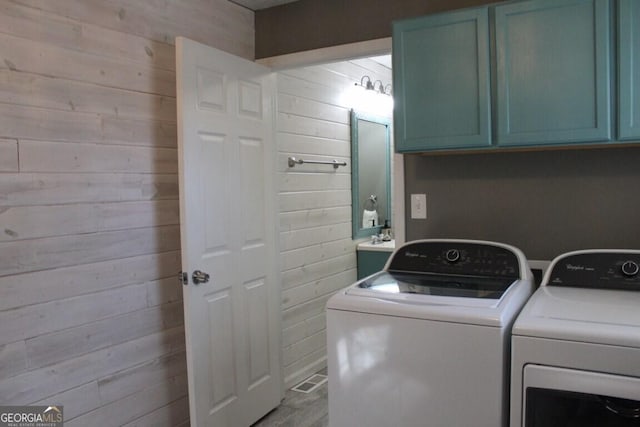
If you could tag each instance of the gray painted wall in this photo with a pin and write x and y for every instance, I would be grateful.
(312, 24)
(544, 202)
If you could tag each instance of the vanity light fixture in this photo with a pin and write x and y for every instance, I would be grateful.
(365, 97)
(376, 86)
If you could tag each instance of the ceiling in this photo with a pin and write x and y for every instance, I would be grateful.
(382, 60)
(260, 4)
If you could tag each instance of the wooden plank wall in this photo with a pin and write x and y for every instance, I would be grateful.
(317, 253)
(90, 308)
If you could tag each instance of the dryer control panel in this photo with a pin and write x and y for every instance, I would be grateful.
(460, 258)
(600, 270)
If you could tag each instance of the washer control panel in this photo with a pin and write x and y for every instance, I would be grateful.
(601, 270)
(630, 268)
(452, 257)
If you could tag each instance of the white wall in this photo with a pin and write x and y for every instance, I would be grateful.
(318, 254)
(90, 307)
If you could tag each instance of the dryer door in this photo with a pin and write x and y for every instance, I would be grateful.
(564, 397)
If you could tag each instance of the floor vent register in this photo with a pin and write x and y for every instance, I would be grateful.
(310, 384)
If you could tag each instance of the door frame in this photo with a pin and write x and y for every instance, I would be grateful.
(348, 52)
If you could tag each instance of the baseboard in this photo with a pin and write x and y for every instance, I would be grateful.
(308, 370)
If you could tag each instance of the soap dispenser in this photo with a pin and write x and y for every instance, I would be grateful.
(386, 231)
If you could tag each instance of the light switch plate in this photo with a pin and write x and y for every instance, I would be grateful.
(418, 206)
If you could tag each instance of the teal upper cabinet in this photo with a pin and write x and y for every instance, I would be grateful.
(629, 69)
(553, 72)
(441, 81)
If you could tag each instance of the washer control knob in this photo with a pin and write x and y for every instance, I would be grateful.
(452, 255)
(630, 268)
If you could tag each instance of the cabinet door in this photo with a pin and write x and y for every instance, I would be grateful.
(441, 81)
(370, 262)
(552, 74)
(629, 69)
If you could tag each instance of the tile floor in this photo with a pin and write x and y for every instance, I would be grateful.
(300, 410)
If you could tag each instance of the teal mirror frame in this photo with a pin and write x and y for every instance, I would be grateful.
(357, 200)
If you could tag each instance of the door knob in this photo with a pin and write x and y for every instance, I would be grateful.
(200, 277)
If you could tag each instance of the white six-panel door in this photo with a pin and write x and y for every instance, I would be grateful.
(228, 230)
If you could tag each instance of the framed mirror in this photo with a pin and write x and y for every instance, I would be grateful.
(370, 173)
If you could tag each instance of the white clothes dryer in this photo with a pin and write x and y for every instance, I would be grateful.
(425, 342)
(576, 344)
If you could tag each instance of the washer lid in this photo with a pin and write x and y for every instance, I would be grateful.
(396, 285)
(380, 298)
(598, 316)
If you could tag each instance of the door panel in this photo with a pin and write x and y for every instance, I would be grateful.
(252, 171)
(228, 230)
(567, 397)
(211, 90)
(223, 383)
(215, 186)
(552, 74)
(258, 344)
(441, 81)
(629, 70)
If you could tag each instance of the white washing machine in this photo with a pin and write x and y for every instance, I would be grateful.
(576, 344)
(425, 342)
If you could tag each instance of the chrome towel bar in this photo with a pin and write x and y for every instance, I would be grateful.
(293, 161)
